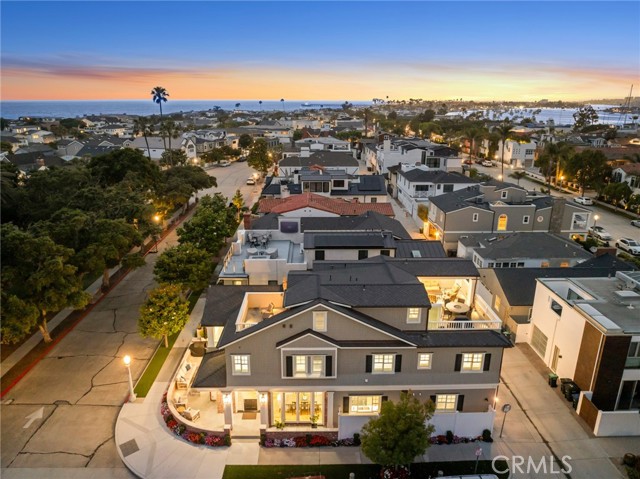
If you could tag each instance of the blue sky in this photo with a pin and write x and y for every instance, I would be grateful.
(330, 50)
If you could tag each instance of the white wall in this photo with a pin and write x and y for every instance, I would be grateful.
(617, 423)
(309, 212)
(565, 331)
(348, 425)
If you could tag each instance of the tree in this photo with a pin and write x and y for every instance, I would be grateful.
(245, 140)
(554, 157)
(37, 275)
(618, 193)
(180, 183)
(399, 433)
(141, 126)
(297, 135)
(210, 225)
(127, 163)
(164, 312)
(173, 158)
(518, 175)
(585, 116)
(169, 129)
(589, 166)
(259, 158)
(5, 146)
(282, 102)
(4, 124)
(238, 202)
(473, 134)
(159, 95)
(186, 266)
(504, 131)
(18, 318)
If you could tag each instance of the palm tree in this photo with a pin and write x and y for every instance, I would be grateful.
(159, 94)
(473, 134)
(170, 129)
(260, 103)
(142, 126)
(504, 131)
(282, 101)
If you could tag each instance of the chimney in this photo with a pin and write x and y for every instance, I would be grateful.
(246, 221)
(387, 144)
(557, 212)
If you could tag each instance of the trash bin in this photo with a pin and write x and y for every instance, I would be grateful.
(575, 397)
(570, 389)
(553, 380)
(563, 385)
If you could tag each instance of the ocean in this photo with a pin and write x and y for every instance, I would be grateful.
(73, 109)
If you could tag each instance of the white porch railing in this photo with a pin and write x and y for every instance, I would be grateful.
(464, 325)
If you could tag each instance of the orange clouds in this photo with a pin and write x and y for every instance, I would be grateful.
(51, 81)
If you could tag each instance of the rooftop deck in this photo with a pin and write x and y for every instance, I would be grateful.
(236, 261)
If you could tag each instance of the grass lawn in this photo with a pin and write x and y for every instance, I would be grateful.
(361, 471)
(153, 368)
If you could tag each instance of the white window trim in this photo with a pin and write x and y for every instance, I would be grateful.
(526, 219)
(373, 364)
(475, 217)
(472, 371)
(504, 195)
(318, 315)
(415, 320)
(455, 403)
(430, 360)
(234, 371)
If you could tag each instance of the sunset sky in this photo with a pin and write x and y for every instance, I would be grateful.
(319, 50)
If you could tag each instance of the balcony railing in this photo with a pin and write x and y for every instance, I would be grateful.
(464, 325)
(632, 363)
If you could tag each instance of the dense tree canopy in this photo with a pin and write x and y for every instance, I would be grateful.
(186, 266)
(212, 222)
(259, 158)
(589, 167)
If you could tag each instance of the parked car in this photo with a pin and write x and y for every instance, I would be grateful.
(251, 181)
(635, 223)
(224, 163)
(583, 200)
(468, 161)
(600, 233)
(242, 158)
(628, 245)
(487, 163)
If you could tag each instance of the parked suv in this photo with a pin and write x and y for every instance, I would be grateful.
(630, 246)
(583, 200)
(600, 233)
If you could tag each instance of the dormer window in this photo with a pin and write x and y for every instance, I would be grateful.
(504, 194)
(320, 321)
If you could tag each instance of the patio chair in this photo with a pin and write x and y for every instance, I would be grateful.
(268, 311)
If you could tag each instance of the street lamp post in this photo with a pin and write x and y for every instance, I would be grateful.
(505, 409)
(127, 363)
(595, 220)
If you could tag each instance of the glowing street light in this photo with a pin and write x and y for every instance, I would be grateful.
(595, 220)
(127, 363)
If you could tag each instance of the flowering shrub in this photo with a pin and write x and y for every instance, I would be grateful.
(194, 437)
(305, 441)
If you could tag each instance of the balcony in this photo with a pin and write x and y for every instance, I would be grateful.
(464, 325)
(632, 363)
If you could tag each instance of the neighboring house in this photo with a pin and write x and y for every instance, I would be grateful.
(35, 148)
(350, 124)
(395, 151)
(497, 207)
(156, 145)
(300, 123)
(88, 151)
(521, 250)
(324, 160)
(333, 183)
(312, 204)
(414, 185)
(69, 147)
(517, 154)
(507, 294)
(13, 141)
(588, 330)
(37, 161)
(267, 248)
(334, 346)
(36, 136)
(324, 143)
(630, 174)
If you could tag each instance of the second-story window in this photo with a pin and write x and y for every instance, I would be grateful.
(319, 255)
(363, 254)
(502, 222)
(475, 217)
(424, 360)
(473, 362)
(383, 363)
(504, 194)
(413, 315)
(241, 364)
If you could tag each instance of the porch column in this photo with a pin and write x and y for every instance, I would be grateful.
(329, 409)
(227, 401)
(263, 403)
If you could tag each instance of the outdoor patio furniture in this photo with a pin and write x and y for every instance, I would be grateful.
(268, 311)
(191, 414)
